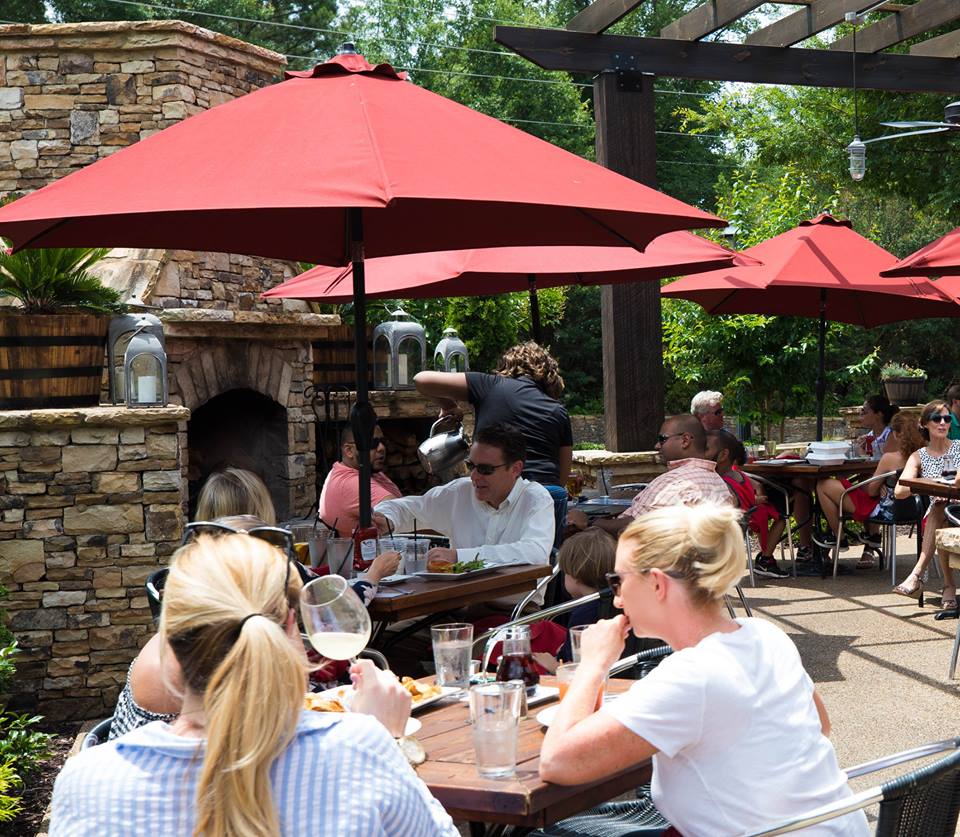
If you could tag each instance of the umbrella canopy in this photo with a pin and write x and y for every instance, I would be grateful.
(821, 268)
(498, 270)
(341, 162)
(271, 173)
(938, 258)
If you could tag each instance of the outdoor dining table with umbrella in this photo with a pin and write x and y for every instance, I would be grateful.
(824, 269)
(498, 270)
(334, 165)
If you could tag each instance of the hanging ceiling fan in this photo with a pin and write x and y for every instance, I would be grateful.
(951, 122)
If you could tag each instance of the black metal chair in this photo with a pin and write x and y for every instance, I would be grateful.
(98, 735)
(154, 585)
(925, 801)
(952, 513)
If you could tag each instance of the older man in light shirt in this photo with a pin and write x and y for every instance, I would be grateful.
(494, 514)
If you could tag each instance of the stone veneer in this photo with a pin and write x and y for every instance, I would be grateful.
(91, 503)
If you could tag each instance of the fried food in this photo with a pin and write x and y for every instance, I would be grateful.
(420, 691)
(319, 703)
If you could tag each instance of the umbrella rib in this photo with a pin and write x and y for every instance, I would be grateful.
(40, 234)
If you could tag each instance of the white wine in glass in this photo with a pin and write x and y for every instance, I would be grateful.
(334, 618)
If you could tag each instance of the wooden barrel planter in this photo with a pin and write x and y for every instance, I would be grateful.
(902, 391)
(51, 360)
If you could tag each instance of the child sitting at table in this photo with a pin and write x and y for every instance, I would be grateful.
(727, 451)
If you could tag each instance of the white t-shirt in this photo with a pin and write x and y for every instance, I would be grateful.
(738, 736)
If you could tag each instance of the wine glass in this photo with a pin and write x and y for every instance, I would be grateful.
(336, 621)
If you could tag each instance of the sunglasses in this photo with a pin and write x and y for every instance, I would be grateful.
(718, 412)
(662, 437)
(940, 418)
(483, 469)
(282, 539)
(615, 580)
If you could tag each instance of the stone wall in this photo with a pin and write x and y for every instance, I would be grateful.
(90, 506)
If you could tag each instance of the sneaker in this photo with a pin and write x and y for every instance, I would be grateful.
(805, 554)
(766, 566)
(872, 541)
(828, 540)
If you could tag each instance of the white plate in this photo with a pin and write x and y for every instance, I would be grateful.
(394, 579)
(450, 576)
(345, 693)
(545, 716)
(542, 694)
(778, 461)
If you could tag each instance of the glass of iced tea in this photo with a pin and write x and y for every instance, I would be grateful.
(565, 674)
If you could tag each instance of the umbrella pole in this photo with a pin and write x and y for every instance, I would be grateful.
(362, 417)
(534, 310)
(821, 382)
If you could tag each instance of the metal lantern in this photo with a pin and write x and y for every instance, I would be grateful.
(145, 371)
(122, 328)
(399, 351)
(451, 353)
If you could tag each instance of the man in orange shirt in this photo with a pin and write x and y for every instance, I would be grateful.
(340, 497)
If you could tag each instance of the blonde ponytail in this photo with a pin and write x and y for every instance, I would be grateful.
(701, 544)
(224, 617)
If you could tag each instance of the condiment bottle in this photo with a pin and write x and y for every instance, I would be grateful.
(516, 661)
(364, 547)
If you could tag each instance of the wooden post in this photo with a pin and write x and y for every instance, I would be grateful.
(630, 312)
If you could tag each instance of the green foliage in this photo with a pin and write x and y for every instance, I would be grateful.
(900, 370)
(10, 804)
(56, 279)
(576, 344)
(21, 745)
(588, 446)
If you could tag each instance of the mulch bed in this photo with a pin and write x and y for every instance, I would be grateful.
(39, 788)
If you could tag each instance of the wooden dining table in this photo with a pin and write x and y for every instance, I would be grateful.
(422, 597)
(524, 801)
(769, 469)
(932, 488)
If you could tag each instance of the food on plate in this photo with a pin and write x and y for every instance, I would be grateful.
(438, 566)
(322, 703)
(420, 691)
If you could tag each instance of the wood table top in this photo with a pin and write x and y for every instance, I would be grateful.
(450, 772)
(765, 468)
(421, 597)
(932, 488)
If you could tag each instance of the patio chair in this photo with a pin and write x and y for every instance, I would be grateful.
(952, 513)
(923, 801)
(98, 735)
(909, 510)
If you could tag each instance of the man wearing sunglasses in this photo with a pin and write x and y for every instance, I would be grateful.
(493, 515)
(690, 477)
(340, 496)
(707, 406)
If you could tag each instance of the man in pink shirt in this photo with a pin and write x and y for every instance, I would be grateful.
(340, 497)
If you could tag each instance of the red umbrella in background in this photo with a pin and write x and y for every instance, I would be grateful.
(498, 270)
(345, 160)
(938, 258)
(821, 268)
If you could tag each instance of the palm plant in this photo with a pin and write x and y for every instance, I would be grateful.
(56, 279)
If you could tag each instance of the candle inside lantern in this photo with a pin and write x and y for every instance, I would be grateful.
(146, 389)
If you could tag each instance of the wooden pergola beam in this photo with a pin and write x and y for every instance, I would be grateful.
(600, 15)
(576, 52)
(904, 24)
(803, 24)
(942, 47)
(706, 19)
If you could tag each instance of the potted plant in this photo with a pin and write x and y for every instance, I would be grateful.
(903, 384)
(53, 327)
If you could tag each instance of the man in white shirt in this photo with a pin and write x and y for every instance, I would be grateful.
(494, 514)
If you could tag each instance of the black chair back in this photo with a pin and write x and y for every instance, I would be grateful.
(98, 735)
(154, 585)
(924, 801)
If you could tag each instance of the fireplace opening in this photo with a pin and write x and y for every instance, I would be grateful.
(239, 428)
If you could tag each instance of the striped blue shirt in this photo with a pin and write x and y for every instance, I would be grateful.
(342, 776)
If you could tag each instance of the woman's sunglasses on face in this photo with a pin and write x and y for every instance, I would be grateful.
(940, 418)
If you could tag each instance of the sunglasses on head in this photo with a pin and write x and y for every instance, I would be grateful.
(282, 539)
(940, 418)
(483, 469)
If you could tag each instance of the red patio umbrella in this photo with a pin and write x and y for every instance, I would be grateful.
(821, 268)
(498, 270)
(938, 258)
(345, 160)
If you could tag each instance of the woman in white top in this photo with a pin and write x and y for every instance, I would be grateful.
(875, 416)
(930, 462)
(243, 757)
(731, 709)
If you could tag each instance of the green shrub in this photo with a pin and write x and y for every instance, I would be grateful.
(588, 446)
(900, 370)
(21, 745)
(9, 802)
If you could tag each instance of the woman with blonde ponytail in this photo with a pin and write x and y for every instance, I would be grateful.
(243, 759)
(731, 720)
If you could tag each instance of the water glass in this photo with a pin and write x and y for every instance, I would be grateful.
(770, 447)
(340, 556)
(452, 644)
(415, 555)
(576, 634)
(494, 714)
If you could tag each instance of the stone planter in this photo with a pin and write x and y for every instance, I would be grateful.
(905, 390)
(51, 360)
